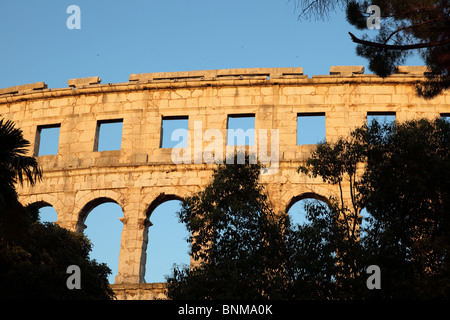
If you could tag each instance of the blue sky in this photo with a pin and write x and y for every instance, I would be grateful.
(118, 38)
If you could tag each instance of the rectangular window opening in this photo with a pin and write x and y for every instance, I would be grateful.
(445, 117)
(174, 132)
(311, 128)
(108, 135)
(47, 140)
(241, 130)
(381, 117)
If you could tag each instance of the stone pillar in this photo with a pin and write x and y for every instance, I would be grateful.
(133, 247)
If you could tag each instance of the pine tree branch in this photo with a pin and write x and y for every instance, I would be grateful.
(398, 47)
(410, 27)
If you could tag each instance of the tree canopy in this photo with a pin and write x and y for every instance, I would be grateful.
(405, 188)
(405, 26)
(236, 239)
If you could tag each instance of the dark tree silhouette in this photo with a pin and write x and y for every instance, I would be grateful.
(405, 26)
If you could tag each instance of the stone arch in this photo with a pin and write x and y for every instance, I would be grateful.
(160, 200)
(160, 195)
(298, 215)
(292, 193)
(42, 214)
(88, 207)
(40, 204)
(306, 195)
(44, 200)
(86, 202)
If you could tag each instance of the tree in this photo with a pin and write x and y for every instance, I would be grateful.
(328, 258)
(405, 188)
(244, 250)
(14, 164)
(405, 26)
(35, 265)
(323, 263)
(34, 256)
(236, 240)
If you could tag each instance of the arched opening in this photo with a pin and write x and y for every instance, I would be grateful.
(297, 212)
(104, 230)
(46, 212)
(167, 245)
(297, 207)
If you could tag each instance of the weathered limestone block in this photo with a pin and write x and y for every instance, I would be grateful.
(24, 88)
(412, 70)
(80, 82)
(346, 71)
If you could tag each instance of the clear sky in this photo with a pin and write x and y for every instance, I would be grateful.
(118, 38)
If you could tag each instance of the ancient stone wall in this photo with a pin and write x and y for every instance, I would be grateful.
(142, 175)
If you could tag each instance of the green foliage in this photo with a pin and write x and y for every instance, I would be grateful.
(406, 27)
(14, 164)
(235, 238)
(405, 187)
(355, 14)
(33, 263)
(382, 61)
(321, 263)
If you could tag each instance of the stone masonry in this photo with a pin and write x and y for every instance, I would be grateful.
(142, 175)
